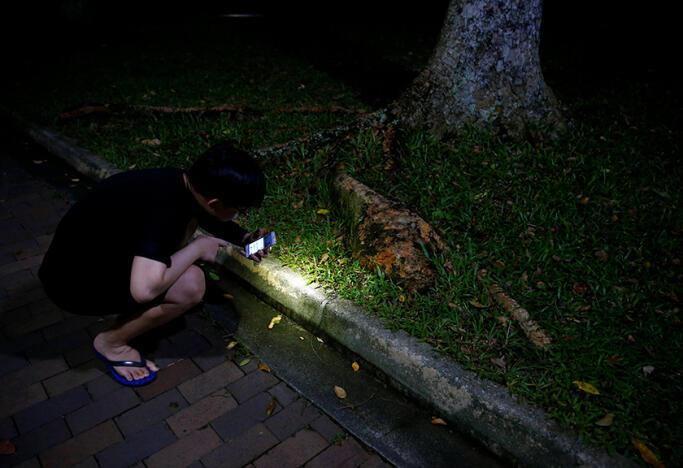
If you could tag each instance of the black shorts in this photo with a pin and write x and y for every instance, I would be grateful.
(85, 292)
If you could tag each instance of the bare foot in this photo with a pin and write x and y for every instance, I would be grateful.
(123, 352)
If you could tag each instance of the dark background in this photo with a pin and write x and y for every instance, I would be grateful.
(583, 40)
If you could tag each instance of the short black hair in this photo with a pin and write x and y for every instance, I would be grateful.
(229, 174)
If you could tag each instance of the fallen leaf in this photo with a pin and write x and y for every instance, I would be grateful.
(340, 392)
(244, 362)
(401, 298)
(499, 265)
(605, 421)
(646, 454)
(228, 296)
(355, 366)
(151, 141)
(274, 320)
(478, 305)
(602, 255)
(214, 276)
(271, 407)
(263, 366)
(580, 287)
(319, 339)
(439, 422)
(323, 211)
(7, 447)
(647, 370)
(301, 338)
(38, 161)
(75, 180)
(586, 387)
(524, 276)
(631, 339)
(298, 204)
(231, 345)
(500, 362)
(324, 258)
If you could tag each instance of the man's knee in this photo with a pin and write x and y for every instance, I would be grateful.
(191, 286)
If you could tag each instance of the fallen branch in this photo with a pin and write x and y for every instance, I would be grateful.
(531, 329)
(89, 109)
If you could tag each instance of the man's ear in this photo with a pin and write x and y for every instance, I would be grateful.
(213, 203)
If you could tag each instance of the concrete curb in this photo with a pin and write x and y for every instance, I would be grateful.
(487, 411)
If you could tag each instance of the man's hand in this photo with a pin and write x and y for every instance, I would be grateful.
(208, 247)
(251, 237)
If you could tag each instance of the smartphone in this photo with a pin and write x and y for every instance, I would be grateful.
(263, 243)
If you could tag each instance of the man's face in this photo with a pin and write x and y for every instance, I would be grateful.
(221, 211)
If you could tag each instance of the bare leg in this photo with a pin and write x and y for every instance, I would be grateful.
(182, 296)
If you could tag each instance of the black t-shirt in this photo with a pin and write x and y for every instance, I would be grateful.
(143, 213)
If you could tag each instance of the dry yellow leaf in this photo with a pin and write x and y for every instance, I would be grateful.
(231, 345)
(355, 366)
(647, 454)
(323, 211)
(340, 392)
(271, 407)
(478, 305)
(151, 141)
(586, 387)
(228, 296)
(7, 447)
(439, 422)
(605, 421)
(263, 366)
(274, 320)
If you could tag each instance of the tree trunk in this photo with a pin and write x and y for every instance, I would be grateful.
(485, 72)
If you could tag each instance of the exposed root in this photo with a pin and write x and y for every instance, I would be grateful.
(531, 329)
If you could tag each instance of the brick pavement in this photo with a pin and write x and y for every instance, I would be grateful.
(59, 407)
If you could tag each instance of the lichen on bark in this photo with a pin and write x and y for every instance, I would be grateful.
(485, 72)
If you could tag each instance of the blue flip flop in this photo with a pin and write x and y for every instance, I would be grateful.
(122, 380)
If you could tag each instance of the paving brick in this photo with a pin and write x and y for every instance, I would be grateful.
(30, 463)
(39, 369)
(151, 412)
(11, 303)
(136, 446)
(11, 363)
(375, 462)
(208, 382)
(31, 317)
(294, 417)
(348, 454)
(79, 355)
(168, 378)
(251, 384)
(233, 423)
(186, 450)
(202, 412)
(7, 430)
(81, 446)
(74, 377)
(210, 359)
(241, 450)
(17, 398)
(102, 386)
(327, 428)
(293, 452)
(188, 343)
(30, 444)
(25, 264)
(60, 345)
(45, 411)
(20, 281)
(283, 394)
(100, 410)
(89, 462)
(69, 325)
(18, 247)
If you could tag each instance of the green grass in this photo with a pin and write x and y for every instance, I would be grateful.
(583, 231)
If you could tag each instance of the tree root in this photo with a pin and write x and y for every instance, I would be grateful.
(531, 329)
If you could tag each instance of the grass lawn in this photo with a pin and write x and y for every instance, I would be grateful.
(583, 231)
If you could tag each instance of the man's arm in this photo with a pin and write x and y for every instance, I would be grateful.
(149, 278)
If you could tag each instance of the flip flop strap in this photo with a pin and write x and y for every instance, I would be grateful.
(142, 363)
